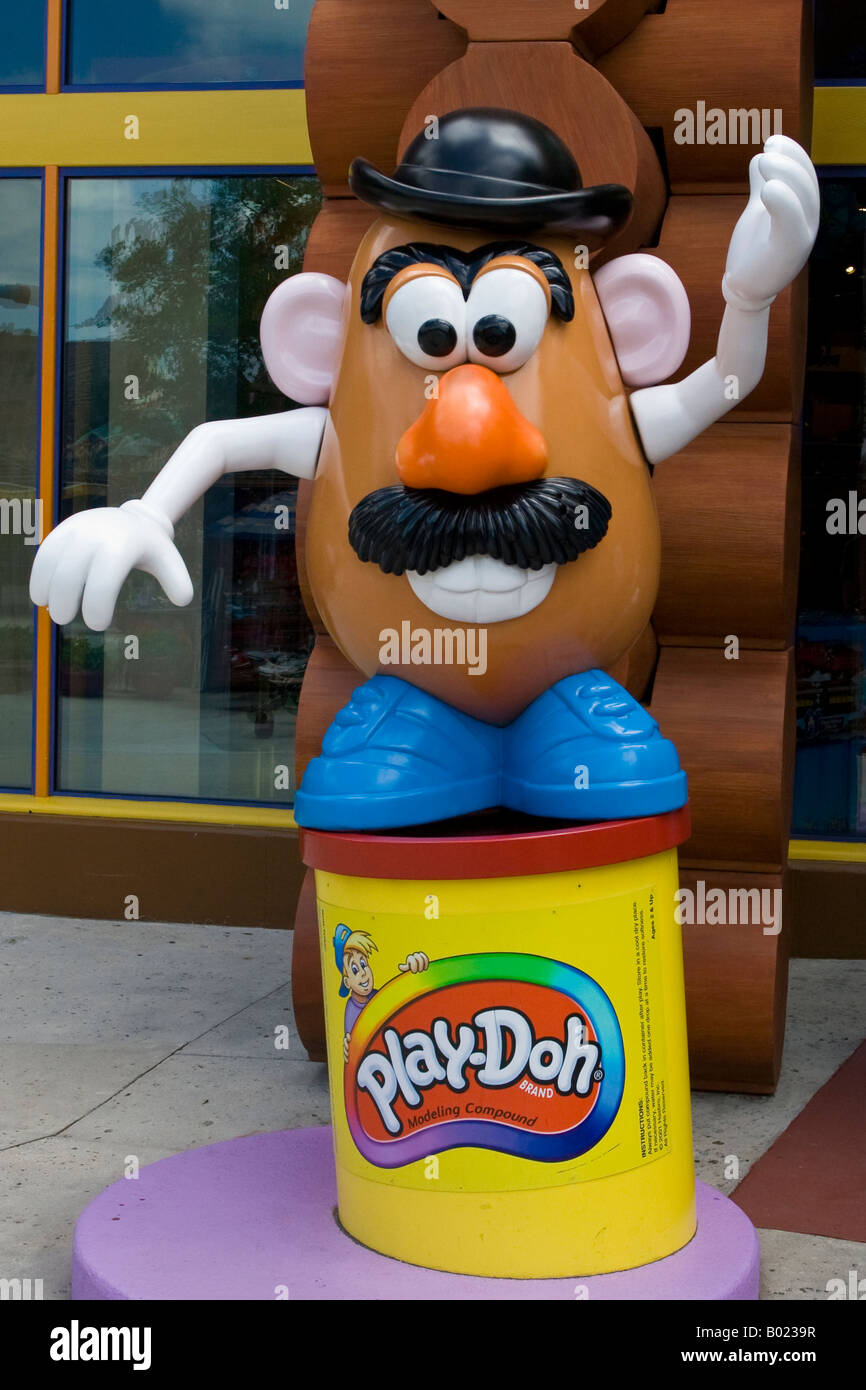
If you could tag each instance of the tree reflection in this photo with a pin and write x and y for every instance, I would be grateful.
(175, 341)
(188, 277)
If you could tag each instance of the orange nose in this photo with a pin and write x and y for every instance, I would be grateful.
(471, 438)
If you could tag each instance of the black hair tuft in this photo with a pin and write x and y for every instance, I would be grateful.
(464, 266)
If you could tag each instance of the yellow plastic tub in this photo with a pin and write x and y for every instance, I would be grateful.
(507, 1045)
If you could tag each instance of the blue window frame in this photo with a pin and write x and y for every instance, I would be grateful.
(20, 349)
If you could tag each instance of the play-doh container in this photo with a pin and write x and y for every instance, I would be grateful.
(507, 1044)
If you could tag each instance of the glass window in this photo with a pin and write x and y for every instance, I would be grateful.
(22, 43)
(179, 43)
(830, 789)
(165, 283)
(840, 40)
(20, 239)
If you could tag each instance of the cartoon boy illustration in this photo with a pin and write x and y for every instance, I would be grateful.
(352, 952)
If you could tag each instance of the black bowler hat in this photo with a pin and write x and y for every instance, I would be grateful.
(496, 170)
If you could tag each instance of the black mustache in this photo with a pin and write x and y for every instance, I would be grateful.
(529, 525)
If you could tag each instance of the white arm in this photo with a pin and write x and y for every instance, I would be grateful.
(770, 245)
(669, 417)
(289, 442)
(85, 560)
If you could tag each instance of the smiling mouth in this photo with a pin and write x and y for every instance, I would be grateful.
(479, 558)
(480, 589)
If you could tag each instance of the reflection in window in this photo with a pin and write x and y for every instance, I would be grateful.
(166, 279)
(830, 793)
(20, 235)
(840, 40)
(186, 42)
(22, 43)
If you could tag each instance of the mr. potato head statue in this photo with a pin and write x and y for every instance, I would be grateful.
(481, 472)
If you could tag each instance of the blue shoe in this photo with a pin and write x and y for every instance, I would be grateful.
(396, 756)
(585, 750)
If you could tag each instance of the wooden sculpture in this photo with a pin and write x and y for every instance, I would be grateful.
(716, 663)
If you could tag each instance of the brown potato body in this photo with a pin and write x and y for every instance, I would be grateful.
(572, 391)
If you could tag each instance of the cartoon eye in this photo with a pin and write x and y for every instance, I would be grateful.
(354, 968)
(506, 316)
(426, 317)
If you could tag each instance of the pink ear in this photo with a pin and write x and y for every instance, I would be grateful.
(300, 336)
(648, 316)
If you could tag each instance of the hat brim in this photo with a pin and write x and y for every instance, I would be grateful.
(595, 212)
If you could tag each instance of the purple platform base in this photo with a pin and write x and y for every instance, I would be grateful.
(254, 1218)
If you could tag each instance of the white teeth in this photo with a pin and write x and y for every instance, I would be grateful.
(459, 577)
(480, 572)
(481, 590)
(498, 578)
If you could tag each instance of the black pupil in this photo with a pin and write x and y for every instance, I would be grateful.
(437, 337)
(494, 335)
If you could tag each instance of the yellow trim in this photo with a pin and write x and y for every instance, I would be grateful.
(259, 127)
(828, 851)
(101, 808)
(839, 126)
(50, 261)
(174, 128)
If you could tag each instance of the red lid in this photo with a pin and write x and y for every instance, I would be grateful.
(508, 852)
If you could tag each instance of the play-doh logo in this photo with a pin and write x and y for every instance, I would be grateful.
(502, 1051)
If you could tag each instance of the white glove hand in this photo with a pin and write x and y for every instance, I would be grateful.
(773, 238)
(87, 557)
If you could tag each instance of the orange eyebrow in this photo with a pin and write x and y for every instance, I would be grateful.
(412, 272)
(518, 263)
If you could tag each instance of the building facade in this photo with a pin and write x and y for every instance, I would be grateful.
(155, 185)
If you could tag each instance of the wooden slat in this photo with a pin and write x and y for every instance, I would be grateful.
(229, 875)
(635, 669)
(694, 241)
(328, 683)
(608, 25)
(302, 512)
(828, 908)
(307, 1001)
(336, 235)
(600, 25)
(733, 724)
(736, 987)
(517, 19)
(366, 61)
(734, 55)
(331, 246)
(729, 506)
(550, 82)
